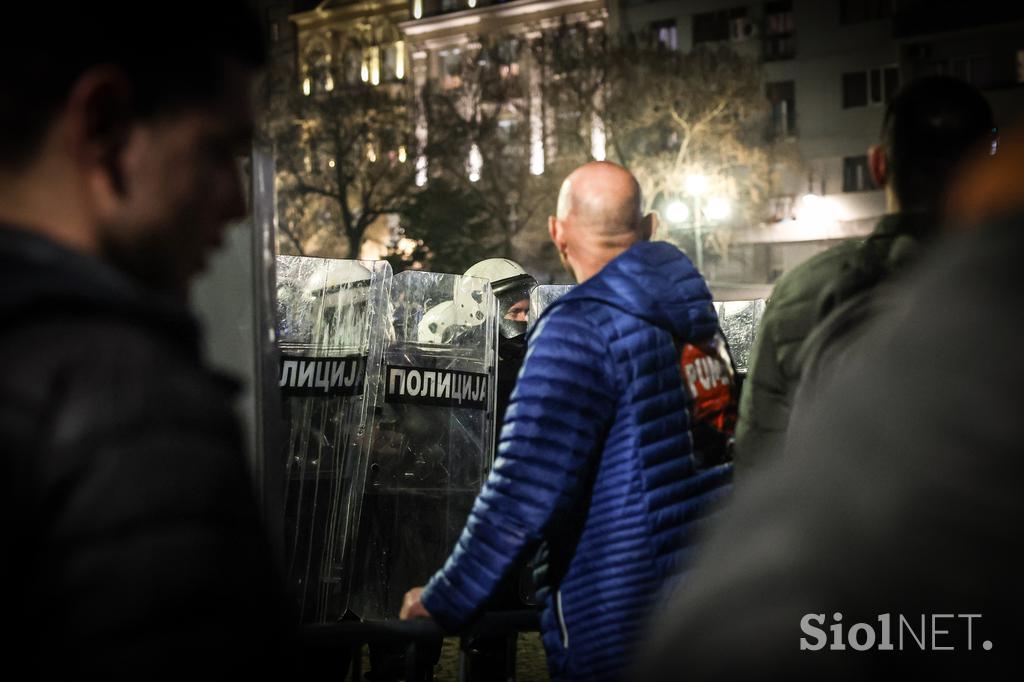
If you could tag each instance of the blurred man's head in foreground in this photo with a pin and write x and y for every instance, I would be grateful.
(599, 215)
(930, 127)
(121, 137)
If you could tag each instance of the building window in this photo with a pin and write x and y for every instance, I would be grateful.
(712, 27)
(508, 58)
(857, 175)
(782, 97)
(449, 5)
(451, 69)
(394, 61)
(353, 65)
(860, 11)
(664, 33)
(875, 86)
(997, 68)
(855, 89)
(779, 42)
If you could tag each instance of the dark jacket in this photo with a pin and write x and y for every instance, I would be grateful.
(801, 299)
(133, 544)
(595, 460)
(900, 493)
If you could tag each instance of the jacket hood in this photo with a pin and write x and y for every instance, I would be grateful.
(40, 278)
(656, 282)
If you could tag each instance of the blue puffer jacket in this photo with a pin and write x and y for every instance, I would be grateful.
(595, 462)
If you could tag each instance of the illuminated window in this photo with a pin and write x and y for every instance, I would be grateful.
(665, 33)
(417, 9)
(375, 65)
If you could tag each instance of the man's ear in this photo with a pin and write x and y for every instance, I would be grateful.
(878, 164)
(99, 120)
(555, 230)
(649, 226)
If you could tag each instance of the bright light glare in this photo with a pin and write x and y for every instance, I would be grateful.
(696, 184)
(677, 212)
(817, 210)
(475, 163)
(717, 209)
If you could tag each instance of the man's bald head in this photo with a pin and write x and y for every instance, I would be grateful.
(602, 198)
(599, 215)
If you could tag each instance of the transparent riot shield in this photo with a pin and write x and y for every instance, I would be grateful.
(431, 438)
(543, 295)
(327, 311)
(740, 321)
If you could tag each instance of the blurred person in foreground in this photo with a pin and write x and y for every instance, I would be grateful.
(930, 127)
(133, 542)
(595, 460)
(897, 504)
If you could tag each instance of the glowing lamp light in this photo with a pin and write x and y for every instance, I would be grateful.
(696, 184)
(421, 171)
(817, 210)
(677, 212)
(475, 163)
(400, 60)
(717, 209)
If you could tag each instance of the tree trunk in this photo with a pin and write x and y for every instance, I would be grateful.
(355, 242)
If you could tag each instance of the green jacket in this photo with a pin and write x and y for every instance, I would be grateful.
(802, 298)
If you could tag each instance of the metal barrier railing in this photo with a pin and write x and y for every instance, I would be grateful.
(347, 637)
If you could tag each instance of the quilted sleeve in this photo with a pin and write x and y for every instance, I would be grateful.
(560, 411)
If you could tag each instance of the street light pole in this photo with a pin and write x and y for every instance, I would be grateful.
(697, 236)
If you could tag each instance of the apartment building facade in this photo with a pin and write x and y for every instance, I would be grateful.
(828, 69)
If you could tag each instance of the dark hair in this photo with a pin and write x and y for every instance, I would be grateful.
(929, 127)
(172, 56)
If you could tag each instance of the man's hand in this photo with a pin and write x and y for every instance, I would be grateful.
(412, 607)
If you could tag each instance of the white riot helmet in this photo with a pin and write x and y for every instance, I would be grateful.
(435, 323)
(339, 293)
(345, 277)
(511, 284)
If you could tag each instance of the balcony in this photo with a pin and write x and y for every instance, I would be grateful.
(431, 8)
(913, 18)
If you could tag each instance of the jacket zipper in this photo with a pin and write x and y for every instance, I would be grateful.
(561, 620)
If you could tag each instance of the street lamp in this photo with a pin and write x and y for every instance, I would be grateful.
(677, 212)
(715, 209)
(696, 186)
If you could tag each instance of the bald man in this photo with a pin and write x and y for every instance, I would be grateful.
(595, 465)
